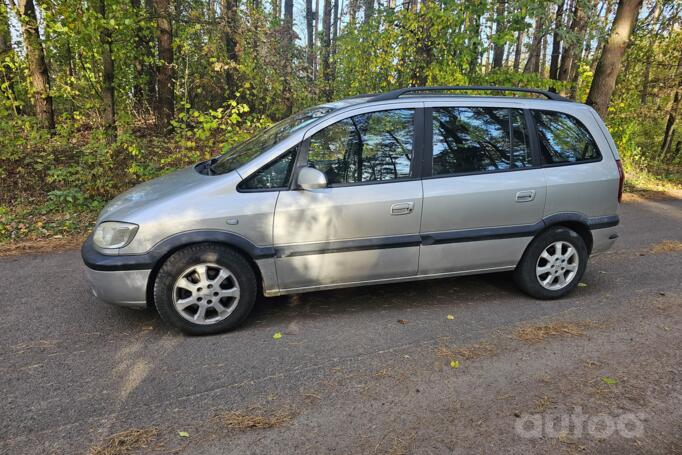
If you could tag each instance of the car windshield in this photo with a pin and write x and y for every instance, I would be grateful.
(246, 151)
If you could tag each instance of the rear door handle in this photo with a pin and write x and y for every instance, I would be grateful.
(402, 208)
(525, 196)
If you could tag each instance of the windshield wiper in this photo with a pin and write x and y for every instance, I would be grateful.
(209, 166)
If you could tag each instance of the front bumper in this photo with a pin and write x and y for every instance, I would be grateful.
(113, 281)
(122, 287)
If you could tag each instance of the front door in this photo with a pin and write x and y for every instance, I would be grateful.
(364, 227)
(485, 196)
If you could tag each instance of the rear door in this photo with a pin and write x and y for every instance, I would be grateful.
(484, 194)
(364, 226)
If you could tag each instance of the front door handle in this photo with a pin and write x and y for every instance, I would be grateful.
(525, 196)
(402, 208)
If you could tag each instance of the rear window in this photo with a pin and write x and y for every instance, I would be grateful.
(563, 138)
(479, 139)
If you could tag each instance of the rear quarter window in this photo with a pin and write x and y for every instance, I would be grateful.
(563, 138)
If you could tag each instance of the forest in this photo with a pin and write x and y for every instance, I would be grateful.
(98, 95)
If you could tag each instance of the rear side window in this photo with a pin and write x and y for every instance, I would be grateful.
(563, 138)
(375, 146)
(479, 139)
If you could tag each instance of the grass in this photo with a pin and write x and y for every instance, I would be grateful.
(28, 223)
(538, 333)
(126, 442)
(246, 420)
(70, 242)
(664, 184)
(666, 246)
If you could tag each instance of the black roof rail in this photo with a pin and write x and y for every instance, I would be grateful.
(395, 94)
(361, 95)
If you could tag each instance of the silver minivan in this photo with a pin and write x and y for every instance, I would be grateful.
(412, 184)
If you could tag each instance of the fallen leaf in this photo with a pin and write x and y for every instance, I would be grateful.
(454, 363)
(564, 439)
(277, 335)
(451, 317)
(608, 380)
(582, 285)
(403, 321)
(183, 434)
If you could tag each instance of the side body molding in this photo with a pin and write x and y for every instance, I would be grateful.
(98, 261)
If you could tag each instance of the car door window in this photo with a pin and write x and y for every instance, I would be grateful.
(478, 139)
(375, 146)
(274, 175)
(563, 138)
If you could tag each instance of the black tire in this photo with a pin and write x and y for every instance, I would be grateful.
(525, 272)
(201, 253)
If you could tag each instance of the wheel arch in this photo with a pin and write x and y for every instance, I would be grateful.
(576, 222)
(164, 249)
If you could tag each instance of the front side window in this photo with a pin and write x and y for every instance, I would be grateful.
(274, 175)
(478, 139)
(563, 138)
(375, 146)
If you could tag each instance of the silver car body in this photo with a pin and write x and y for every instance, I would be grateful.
(421, 228)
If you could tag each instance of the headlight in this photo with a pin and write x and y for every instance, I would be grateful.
(114, 234)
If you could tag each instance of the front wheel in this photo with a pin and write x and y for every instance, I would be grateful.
(204, 289)
(553, 264)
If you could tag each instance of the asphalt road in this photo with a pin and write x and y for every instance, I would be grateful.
(347, 376)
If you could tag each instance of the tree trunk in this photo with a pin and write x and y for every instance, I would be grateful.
(656, 14)
(325, 46)
(533, 62)
(37, 66)
(556, 41)
(276, 7)
(604, 80)
(335, 26)
(165, 78)
(108, 95)
(672, 113)
(518, 50)
(336, 11)
(474, 42)
(288, 28)
(310, 43)
(229, 23)
(543, 57)
(369, 11)
(424, 49)
(142, 70)
(316, 38)
(352, 12)
(569, 58)
(498, 48)
(288, 20)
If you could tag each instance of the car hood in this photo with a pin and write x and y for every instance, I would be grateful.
(151, 192)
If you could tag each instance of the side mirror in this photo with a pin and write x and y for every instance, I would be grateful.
(311, 179)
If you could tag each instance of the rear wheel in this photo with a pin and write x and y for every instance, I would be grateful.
(205, 288)
(553, 264)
